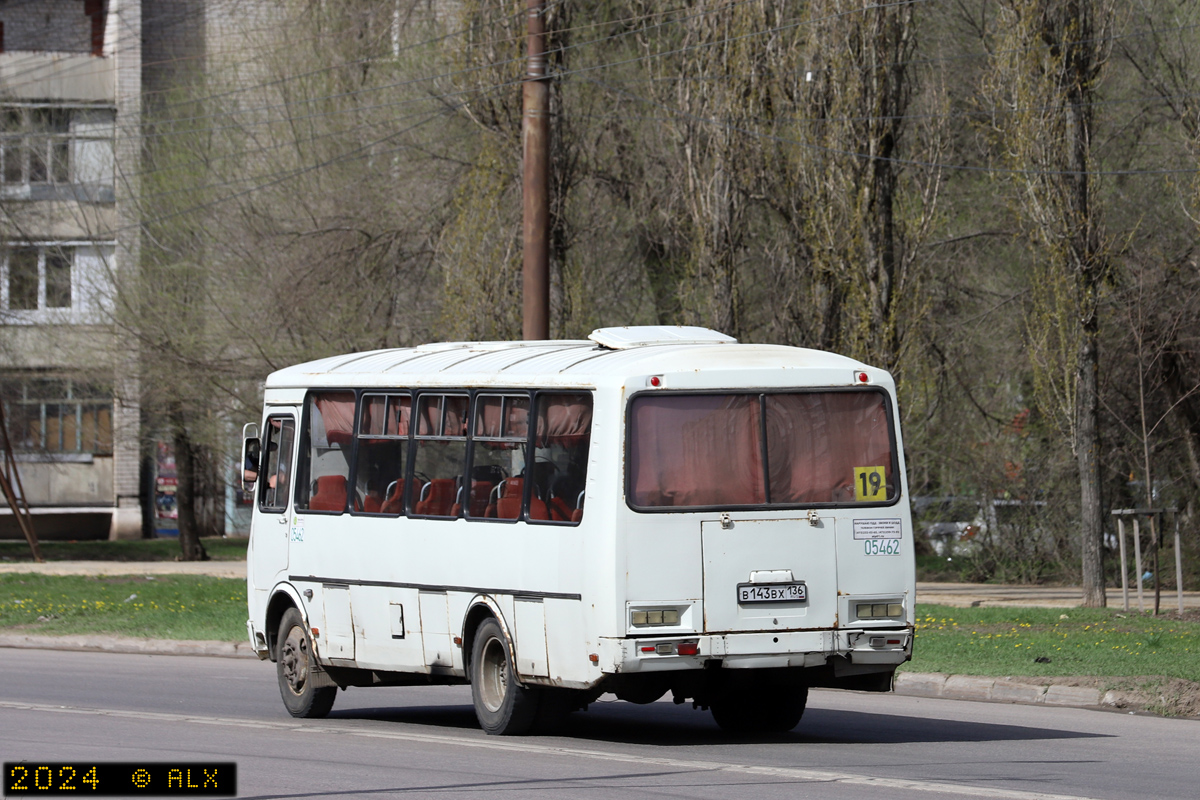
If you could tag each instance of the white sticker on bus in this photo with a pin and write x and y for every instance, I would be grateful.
(877, 529)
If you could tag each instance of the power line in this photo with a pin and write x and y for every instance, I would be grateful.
(510, 83)
(352, 154)
(356, 62)
(1152, 98)
(728, 39)
(289, 143)
(505, 62)
(869, 157)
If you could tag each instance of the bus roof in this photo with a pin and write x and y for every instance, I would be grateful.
(608, 354)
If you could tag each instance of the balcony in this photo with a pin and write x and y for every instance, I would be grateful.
(41, 75)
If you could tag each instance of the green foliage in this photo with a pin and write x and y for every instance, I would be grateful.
(157, 607)
(480, 253)
(1077, 641)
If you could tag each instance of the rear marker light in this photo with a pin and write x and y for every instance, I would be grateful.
(655, 381)
(860, 377)
(666, 616)
(878, 610)
(648, 649)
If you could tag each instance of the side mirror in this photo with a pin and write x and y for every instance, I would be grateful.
(251, 454)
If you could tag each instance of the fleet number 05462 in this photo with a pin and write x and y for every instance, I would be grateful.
(882, 547)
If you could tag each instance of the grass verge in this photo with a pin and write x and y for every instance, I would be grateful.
(158, 606)
(1052, 642)
(219, 549)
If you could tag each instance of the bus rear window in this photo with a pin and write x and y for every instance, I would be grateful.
(780, 449)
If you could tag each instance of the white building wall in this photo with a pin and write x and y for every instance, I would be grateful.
(126, 17)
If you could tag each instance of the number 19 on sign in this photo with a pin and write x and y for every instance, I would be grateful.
(869, 484)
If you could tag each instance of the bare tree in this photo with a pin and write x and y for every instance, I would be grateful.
(1046, 66)
(865, 187)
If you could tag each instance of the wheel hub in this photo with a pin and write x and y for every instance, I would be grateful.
(294, 656)
(494, 672)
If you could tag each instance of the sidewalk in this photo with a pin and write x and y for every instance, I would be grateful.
(216, 569)
(975, 595)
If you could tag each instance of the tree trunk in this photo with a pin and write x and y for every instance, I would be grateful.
(1082, 65)
(1087, 443)
(186, 463)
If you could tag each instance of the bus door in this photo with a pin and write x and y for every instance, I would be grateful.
(272, 530)
(769, 575)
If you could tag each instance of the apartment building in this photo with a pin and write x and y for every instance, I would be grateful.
(76, 79)
(70, 105)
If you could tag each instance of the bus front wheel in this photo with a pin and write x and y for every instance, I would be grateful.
(503, 706)
(294, 665)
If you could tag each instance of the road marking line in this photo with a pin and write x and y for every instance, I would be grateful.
(793, 773)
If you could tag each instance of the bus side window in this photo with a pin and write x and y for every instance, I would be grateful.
(325, 456)
(440, 457)
(276, 474)
(560, 456)
(381, 447)
(500, 437)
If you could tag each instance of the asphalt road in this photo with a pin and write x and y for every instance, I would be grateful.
(423, 742)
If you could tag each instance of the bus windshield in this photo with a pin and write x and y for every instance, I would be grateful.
(781, 449)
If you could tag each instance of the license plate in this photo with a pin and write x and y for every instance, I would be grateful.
(772, 592)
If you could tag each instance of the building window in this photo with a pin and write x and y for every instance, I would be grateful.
(55, 415)
(55, 26)
(36, 278)
(56, 145)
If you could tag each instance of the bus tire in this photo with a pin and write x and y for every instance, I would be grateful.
(774, 710)
(294, 666)
(503, 706)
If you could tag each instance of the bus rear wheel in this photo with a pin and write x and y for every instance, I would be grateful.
(503, 706)
(294, 666)
(745, 710)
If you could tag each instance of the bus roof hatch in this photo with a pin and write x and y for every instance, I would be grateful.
(646, 335)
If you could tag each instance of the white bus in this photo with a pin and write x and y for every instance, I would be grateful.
(652, 510)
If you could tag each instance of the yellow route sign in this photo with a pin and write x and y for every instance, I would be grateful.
(869, 484)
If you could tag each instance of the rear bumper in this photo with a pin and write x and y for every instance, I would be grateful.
(803, 649)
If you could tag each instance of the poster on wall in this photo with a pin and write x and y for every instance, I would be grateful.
(166, 511)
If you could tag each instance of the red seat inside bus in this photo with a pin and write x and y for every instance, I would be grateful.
(437, 498)
(330, 494)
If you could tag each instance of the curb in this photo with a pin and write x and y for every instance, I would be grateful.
(1001, 690)
(129, 644)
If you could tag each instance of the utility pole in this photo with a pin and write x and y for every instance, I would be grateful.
(535, 136)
